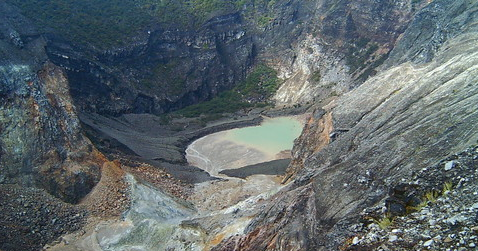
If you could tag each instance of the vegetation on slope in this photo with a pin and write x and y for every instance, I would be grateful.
(254, 91)
(97, 22)
(106, 24)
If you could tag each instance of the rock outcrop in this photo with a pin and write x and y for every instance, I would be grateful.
(402, 120)
(40, 140)
(340, 47)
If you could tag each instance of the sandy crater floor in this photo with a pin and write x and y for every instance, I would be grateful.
(213, 154)
(217, 152)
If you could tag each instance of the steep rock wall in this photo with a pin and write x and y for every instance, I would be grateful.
(341, 47)
(321, 48)
(40, 140)
(171, 69)
(396, 123)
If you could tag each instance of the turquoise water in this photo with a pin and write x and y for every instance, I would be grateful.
(272, 136)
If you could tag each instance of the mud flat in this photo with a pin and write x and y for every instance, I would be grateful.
(274, 167)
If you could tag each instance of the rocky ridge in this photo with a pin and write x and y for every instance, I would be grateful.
(400, 121)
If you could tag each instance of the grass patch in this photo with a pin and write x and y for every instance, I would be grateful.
(428, 197)
(228, 101)
(385, 222)
(432, 196)
(447, 187)
(315, 77)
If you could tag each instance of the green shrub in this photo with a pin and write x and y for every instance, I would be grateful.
(385, 222)
(315, 76)
(106, 24)
(448, 186)
(254, 91)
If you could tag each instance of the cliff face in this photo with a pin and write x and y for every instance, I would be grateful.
(341, 47)
(402, 120)
(172, 68)
(175, 66)
(320, 48)
(40, 139)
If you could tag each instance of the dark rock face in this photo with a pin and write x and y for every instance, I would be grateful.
(172, 69)
(40, 139)
(168, 68)
(398, 122)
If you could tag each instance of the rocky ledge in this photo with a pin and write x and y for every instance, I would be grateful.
(438, 207)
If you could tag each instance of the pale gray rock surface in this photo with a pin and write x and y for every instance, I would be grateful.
(401, 120)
